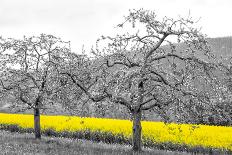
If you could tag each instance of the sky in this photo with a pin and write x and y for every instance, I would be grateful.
(83, 21)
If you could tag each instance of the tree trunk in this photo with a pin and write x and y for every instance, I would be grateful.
(137, 128)
(37, 122)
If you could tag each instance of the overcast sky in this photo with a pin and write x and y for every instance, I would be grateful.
(83, 21)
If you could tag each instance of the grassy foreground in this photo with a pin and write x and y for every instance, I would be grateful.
(24, 143)
(184, 137)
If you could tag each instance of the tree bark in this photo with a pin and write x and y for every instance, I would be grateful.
(137, 128)
(37, 122)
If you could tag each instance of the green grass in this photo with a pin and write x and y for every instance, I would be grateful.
(24, 143)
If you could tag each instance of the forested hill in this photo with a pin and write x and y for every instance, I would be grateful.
(221, 46)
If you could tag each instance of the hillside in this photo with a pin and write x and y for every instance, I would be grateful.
(221, 46)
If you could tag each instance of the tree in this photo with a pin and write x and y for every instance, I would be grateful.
(221, 111)
(30, 71)
(70, 96)
(160, 64)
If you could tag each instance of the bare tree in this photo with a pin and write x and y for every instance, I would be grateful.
(154, 67)
(159, 64)
(29, 70)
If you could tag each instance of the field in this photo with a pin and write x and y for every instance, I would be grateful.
(15, 143)
(154, 134)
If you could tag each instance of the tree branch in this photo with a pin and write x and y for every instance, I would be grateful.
(130, 65)
(98, 98)
(180, 58)
(163, 80)
(20, 92)
(157, 103)
(150, 106)
(156, 46)
(119, 100)
(7, 88)
(33, 79)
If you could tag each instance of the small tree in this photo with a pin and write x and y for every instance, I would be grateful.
(29, 70)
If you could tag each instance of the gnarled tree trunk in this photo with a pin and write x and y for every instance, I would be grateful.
(37, 121)
(137, 130)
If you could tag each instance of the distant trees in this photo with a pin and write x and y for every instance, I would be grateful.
(30, 71)
(221, 110)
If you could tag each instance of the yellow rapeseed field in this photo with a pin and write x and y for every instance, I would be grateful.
(158, 132)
